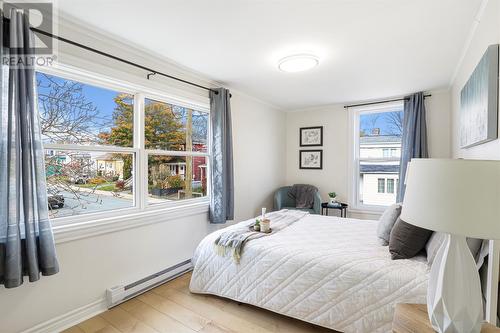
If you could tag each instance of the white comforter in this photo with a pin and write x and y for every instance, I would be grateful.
(324, 270)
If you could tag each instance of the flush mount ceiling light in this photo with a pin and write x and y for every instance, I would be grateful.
(298, 63)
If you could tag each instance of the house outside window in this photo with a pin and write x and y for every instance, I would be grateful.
(95, 154)
(377, 133)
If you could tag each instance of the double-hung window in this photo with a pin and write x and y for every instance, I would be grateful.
(376, 152)
(113, 151)
(390, 185)
(381, 185)
(176, 140)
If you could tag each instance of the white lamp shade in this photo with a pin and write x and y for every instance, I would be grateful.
(459, 197)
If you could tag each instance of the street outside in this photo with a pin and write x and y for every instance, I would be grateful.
(88, 200)
(84, 201)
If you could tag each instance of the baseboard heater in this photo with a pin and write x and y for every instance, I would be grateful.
(120, 294)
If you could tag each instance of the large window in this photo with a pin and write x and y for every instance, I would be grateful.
(97, 141)
(377, 152)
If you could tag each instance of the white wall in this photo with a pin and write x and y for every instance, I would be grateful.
(90, 265)
(259, 154)
(487, 33)
(335, 122)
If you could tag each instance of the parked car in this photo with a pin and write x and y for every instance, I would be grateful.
(80, 179)
(55, 199)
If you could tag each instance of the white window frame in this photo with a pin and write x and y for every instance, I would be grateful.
(140, 170)
(353, 153)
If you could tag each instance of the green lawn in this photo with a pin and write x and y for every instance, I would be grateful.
(107, 187)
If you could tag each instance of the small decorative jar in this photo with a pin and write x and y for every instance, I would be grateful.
(265, 225)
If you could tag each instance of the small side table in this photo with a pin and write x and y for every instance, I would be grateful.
(413, 318)
(343, 209)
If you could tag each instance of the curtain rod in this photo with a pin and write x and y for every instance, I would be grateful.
(381, 102)
(151, 71)
(91, 49)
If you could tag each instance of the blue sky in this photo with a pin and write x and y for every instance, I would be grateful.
(102, 98)
(377, 120)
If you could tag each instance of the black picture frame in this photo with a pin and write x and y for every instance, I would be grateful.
(301, 136)
(320, 151)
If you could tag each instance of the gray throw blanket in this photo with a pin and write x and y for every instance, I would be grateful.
(235, 239)
(303, 195)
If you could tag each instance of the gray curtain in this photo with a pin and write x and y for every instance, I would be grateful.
(26, 240)
(221, 166)
(414, 142)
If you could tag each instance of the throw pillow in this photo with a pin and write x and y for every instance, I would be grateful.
(407, 240)
(386, 222)
(438, 238)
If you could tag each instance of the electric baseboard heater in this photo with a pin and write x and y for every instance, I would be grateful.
(119, 294)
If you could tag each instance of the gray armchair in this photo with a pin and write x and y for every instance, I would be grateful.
(283, 201)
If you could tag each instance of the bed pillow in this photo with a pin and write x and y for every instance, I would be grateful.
(407, 240)
(439, 238)
(386, 222)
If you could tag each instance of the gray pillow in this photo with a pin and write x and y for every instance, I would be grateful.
(407, 240)
(439, 238)
(386, 222)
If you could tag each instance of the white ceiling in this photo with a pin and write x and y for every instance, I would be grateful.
(368, 48)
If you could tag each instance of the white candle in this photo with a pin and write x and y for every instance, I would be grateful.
(263, 213)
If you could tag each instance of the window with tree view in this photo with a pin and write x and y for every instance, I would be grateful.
(378, 154)
(91, 152)
(176, 141)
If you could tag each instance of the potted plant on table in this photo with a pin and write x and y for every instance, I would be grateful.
(333, 198)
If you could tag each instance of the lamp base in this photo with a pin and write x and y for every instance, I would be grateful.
(454, 300)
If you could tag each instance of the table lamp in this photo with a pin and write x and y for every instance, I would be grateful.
(462, 199)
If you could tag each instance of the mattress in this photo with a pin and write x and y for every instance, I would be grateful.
(328, 271)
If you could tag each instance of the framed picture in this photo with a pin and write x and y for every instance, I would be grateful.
(311, 136)
(311, 159)
(479, 102)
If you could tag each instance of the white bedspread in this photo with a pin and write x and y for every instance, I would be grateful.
(325, 270)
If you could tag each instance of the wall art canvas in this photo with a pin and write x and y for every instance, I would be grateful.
(479, 102)
(311, 136)
(310, 159)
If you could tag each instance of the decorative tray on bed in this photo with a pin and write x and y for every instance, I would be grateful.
(252, 229)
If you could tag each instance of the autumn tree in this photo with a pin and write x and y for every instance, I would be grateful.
(122, 132)
(162, 130)
(163, 127)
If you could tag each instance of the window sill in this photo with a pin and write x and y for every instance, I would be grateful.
(75, 231)
(375, 212)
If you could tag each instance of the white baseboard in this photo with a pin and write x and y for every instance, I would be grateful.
(69, 319)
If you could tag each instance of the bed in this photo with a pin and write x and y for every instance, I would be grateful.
(328, 271)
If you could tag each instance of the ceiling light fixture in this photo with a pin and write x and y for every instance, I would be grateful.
(298, 63)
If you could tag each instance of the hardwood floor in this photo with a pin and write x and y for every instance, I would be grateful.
(171, 308)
